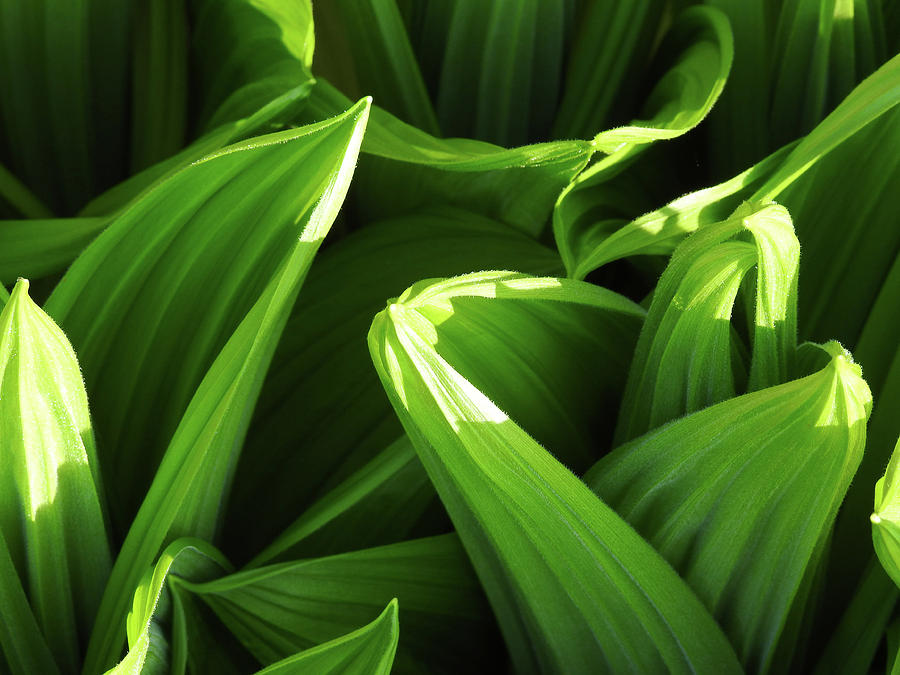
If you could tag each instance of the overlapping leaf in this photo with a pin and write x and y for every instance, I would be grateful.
(718, 494)
(52, 527)
(702, 47)
(267, 53)
(574, 588)
(517, 186)
(37, 248)
(280, 609)
(367, 651)
(366, 48)
(150, 292)
(659, 232)
(189, 489)
(159, 81)
(322, 414)
(683, 361)
(148, 647)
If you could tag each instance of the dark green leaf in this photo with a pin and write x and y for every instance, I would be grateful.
(280, 609)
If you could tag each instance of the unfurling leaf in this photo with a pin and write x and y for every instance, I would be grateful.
(574, 587)
(51, 509)
(718, 494)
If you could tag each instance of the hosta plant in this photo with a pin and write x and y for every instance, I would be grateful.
(368, 336)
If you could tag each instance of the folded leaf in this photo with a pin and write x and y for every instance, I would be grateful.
(517, 186)
(280, 609)
(718, 494)
(51, 514)
(38, 248)
(574, 587)
(659, 232)
(552, 352)
(173, 275)
(700, 50)
(191, 486)
(148, 648)
(587, 243)
(683, 359)
(367, 651)
(305, 438)
(698, 54)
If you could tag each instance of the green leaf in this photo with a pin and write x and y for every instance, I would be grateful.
(718, 494)
(817, 61)
(173, 275)
(842, 219)
(269, 117)
(501, 69)
(148, 649)
(19, 197)
(605, 238)
(885, 528)
(200, 643)
(371, 38)
(159, 81)
(305, 438)
(51, 514)
(683, 360)
(63, 95)
(588, 242)
(855, 641)
(699, 47)
(280, 609)
(188, 491)
(553, 353)
(611, 49)
(516, 186)
(266, 52)
(574, 587)
(379, 504)
(22, 647)
(698, 54)
(38, 248)
(874, 96)
(367, 651)
(745, 102)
